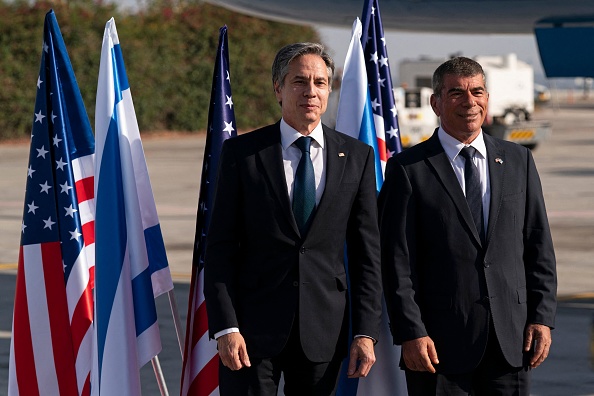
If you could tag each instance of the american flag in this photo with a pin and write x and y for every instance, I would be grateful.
(355, 118)
(51, 348)
(385, 378)
(380, 82)
(201, 360)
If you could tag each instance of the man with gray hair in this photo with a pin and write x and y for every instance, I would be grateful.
(291, 199)
(467, 258)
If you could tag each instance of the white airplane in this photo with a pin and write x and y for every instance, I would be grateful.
(564, 28)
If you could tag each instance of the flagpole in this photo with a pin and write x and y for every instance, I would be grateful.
(176, 321)
(159, 376)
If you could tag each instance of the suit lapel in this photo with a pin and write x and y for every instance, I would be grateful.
(336, 158)
(441, 163)
(272, 164)
(496, 165)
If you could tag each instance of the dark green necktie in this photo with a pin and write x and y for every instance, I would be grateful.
(304, 191)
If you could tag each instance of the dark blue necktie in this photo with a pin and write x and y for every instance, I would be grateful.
(474, 193)
(304, 191)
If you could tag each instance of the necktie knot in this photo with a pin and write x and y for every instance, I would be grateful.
(304, 143)
(468, 153)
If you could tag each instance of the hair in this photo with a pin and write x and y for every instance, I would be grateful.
(458, 66)
(280, 66)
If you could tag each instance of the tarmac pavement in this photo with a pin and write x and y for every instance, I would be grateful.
(566, 167)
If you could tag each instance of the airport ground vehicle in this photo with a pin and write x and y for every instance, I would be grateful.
(416, 118)
(510, 83)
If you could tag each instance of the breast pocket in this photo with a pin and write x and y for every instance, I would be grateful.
(514, 196)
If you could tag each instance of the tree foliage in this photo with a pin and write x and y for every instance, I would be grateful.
(169, 50)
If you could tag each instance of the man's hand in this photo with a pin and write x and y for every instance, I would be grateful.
(232, 351)
(362, 352)
(540, 335)
(420, 354)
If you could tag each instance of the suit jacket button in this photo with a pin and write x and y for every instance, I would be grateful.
(302, 251)
(295, 283)
(486, 264)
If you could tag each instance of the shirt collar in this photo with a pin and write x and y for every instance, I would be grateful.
(289, 134)
(452, 146)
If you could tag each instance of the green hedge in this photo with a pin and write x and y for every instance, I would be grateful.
(169, 53)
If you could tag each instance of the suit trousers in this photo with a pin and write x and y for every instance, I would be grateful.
(492, 377)
(301, 376)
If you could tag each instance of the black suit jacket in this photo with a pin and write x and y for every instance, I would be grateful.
(260, 273)
(439, 280)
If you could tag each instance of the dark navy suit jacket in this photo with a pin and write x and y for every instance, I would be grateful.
(440, 280)
(261, 274)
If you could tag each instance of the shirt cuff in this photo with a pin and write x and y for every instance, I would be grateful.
(226, 331)
(365, 336)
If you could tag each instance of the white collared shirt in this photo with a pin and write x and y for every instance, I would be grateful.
(452, 148)
(292, 155)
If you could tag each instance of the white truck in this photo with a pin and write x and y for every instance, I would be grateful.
(510, 83)
(416, 119)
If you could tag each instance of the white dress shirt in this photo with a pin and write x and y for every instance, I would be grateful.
(452, 148)
(292, 155)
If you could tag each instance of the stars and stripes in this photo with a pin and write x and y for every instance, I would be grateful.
(51, 348)
(132, 267)
(367, 87)
(384, 378)
(201, 361)
(355, 116)
(380, 82)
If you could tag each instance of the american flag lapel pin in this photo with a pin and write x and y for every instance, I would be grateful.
(499, 160)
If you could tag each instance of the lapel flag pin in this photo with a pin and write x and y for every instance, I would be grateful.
(499, 160)
(341, 154)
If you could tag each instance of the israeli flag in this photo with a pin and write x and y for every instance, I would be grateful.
(355, 115)
(131, 265)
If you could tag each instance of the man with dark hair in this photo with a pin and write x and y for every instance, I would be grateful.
(467, 258)
(290, 197)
